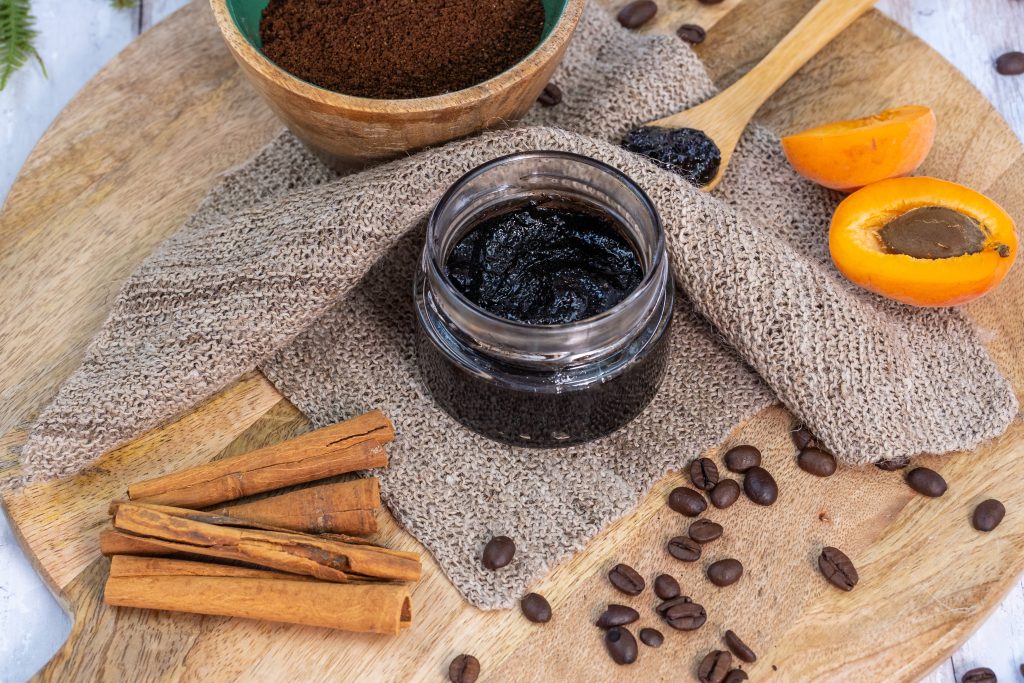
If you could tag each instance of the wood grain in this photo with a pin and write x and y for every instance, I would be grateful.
(179, 149)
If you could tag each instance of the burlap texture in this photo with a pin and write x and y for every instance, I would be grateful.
(308, 276)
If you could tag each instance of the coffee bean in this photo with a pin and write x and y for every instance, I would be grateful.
(617, 615)
(535, 608)
(682, 613)
(636, 14)
(837, 568)
(817, 462)
(725, 572)
(498, 552)
(666, 587)
(621, 645)
(739, 648)
(988, 514)
(691, 33)
(714, 667)
(725, 493)
(684, 548)
(704, 473)
(626, 579)
(802, 437)
(464, 669)
(736, 676)
(550, 96)
(704, 531)
(1010, 64)
(760, 486)
(893, 464)
(926, 482)
(710, 2)
(742, 458)
(687, 501)
(982, 674)
(651, 637)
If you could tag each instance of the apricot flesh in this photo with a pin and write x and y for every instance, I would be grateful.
(847, 155)
(922, 241)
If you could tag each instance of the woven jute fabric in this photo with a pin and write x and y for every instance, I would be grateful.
(307, 275)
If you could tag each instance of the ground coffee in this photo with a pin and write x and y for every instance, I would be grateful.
(396, 49)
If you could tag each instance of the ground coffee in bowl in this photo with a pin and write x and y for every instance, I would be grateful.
(397, 49)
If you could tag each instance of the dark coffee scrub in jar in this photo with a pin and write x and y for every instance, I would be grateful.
(544, 300)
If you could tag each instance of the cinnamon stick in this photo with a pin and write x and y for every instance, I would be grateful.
(203, 588)
(345, 447)
(323, 558)
(344, 507)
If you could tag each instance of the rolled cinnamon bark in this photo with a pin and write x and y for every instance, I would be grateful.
(203, 588)
(345, 447)
(318, 556)
(344, 507)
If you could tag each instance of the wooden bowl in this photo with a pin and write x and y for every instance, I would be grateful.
(346, 130)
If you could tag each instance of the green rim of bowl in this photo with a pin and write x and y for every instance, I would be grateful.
(247, 13)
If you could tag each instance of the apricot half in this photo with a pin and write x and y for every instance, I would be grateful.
(847, 155)
(922, 241)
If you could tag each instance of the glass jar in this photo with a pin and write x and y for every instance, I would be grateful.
(543, 385)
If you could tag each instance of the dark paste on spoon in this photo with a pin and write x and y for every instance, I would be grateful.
(548, 261)
(686, 151)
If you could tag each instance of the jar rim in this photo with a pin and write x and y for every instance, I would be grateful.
(652, 272)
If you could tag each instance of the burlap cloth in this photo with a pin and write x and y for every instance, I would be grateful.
(307, 276)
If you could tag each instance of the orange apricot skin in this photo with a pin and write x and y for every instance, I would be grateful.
(858, 253)
(847, 155)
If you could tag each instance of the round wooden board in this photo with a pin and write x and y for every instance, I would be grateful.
(131, 157)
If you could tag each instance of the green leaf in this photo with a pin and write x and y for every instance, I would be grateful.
(16, 38)
(123, 4)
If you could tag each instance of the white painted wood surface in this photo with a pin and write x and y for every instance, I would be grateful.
(77, 38)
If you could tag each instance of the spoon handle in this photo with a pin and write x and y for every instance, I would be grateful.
(825, 21)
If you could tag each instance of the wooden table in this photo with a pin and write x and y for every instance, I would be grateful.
(946, 26)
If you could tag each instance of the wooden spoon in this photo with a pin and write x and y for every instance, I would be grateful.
(724, 117)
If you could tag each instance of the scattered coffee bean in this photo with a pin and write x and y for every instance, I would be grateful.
(704, 531)
(551, 95)
(742, 458)
(837, 568)
(739, 648)
(682, 613)
(802, 437)
(760, 486)
(535, 608)
(725, 572)
(1010, 64)
(666, 587)
(621, 645)
(988, 514)
(704, 473)
(893, 464)
(498, 552)
(926, 482)
(817, 462)
(684, 548)
(725, 493)
(617, 615)
(736, 676)
(651, 637)
(687, 501)
(626, 579)
(982, 674)
(636, 14)
(464, 669)
(714, 667)
(691, 33)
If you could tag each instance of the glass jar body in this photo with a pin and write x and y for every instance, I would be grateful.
(543, 385)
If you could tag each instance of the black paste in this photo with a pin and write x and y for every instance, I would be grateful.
(686, 151)
(545, 262)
